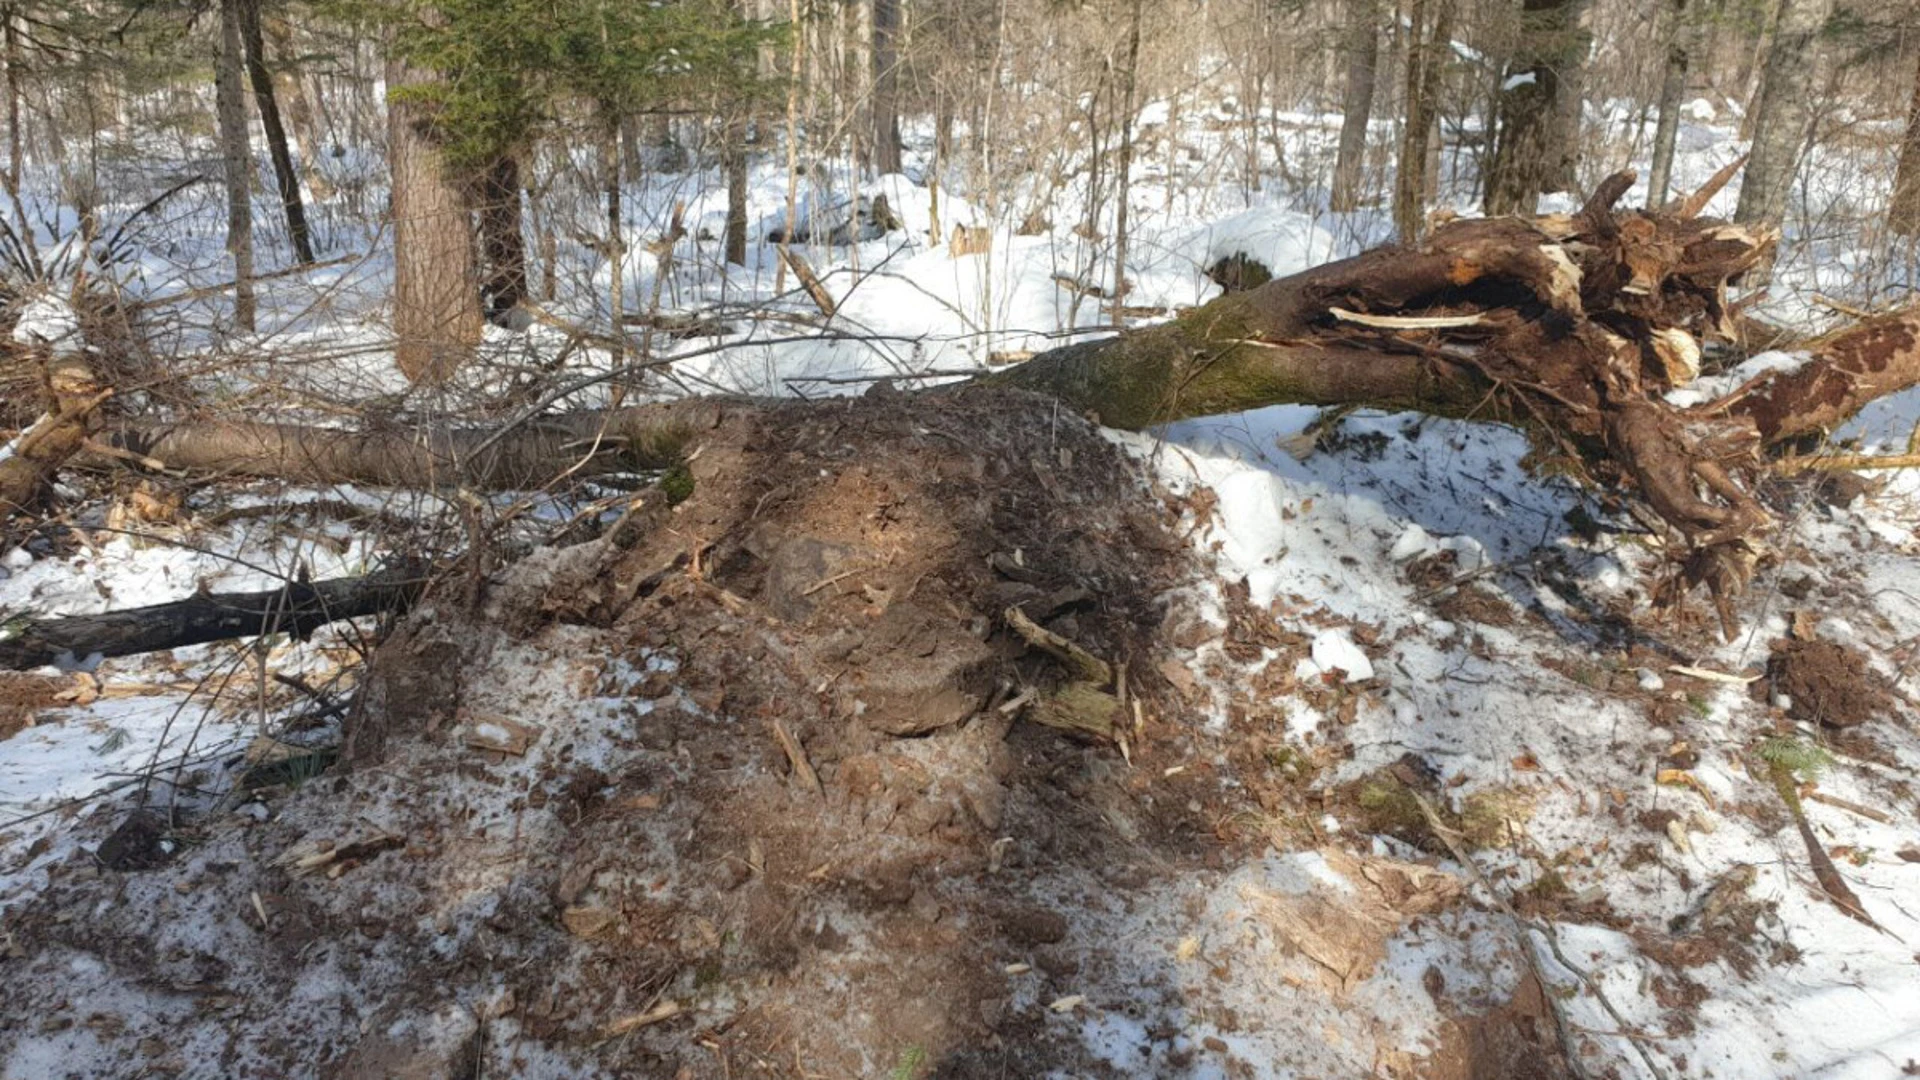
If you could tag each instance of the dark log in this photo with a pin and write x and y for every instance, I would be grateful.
(298, 608)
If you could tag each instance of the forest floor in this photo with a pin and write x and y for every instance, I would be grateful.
(1410, 779)
(582, 846)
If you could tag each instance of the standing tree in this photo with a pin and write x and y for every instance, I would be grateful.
(1363, 60)
(1673, 87)
(254, 46)
(236, 160)
(436, 316)
(1903, 215)
(886, 86)
(1528, 151)
(1427, 43)
(1782, 116)
(482, 80)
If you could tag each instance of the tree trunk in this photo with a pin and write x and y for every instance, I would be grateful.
(263, 96)
(1781, 119)
(1526, 158)
(298, 609)
(1427, 42)
(16, 141)
(1673, 87)
(1363, 59)
(513, 456)
(436, 309)
(1563, 134)
(736, 165)
(616, 229)
(1903, 215)
(886, 86)
(236, 159)
(503, 244)
(1124, 195)
(289, 92)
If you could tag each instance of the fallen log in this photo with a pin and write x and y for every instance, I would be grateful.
(1573, 327)
(512, 456)
(299, 608)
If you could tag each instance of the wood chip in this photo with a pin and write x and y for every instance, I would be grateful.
(1406, 322)
(666, 1010)
(501, 736)
(803, 773)
(1088, 666)
(1706, 675)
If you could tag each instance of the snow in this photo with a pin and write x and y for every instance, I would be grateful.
(48, 320)
(1334, 650)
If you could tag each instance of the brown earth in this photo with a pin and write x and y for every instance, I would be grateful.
(22, 696)
(1826, 683)
(741, 788)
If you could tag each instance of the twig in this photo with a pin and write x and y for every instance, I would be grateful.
(1851, 807)
(797, 757)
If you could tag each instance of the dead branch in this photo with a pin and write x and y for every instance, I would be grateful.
(298, 608)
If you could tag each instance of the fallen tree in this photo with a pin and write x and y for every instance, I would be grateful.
(298, 608)
(1572, 326)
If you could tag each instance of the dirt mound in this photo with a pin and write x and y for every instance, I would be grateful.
(748, 786)
(1826, 683)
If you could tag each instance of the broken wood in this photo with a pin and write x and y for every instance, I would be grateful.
(1085, 666)
(809, 281)
(30, 462)
(298, 608)
(1831, 883)
(1573, 327)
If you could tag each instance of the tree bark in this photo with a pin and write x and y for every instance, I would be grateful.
(616, 230)
(1128, 76)
(255, 49)
(16, 140)
(503, 244)
(436, 299)
(299, 609)
(886, 86)
(1903, 215)
(1526, 158)
(1781, 118)
(289, 92)
(736, 165)
(236, 159)
(1673, 87)
(1363, 60)
(481, 458)
(1427, 41)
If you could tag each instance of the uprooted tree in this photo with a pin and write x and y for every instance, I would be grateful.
(1573, 327)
